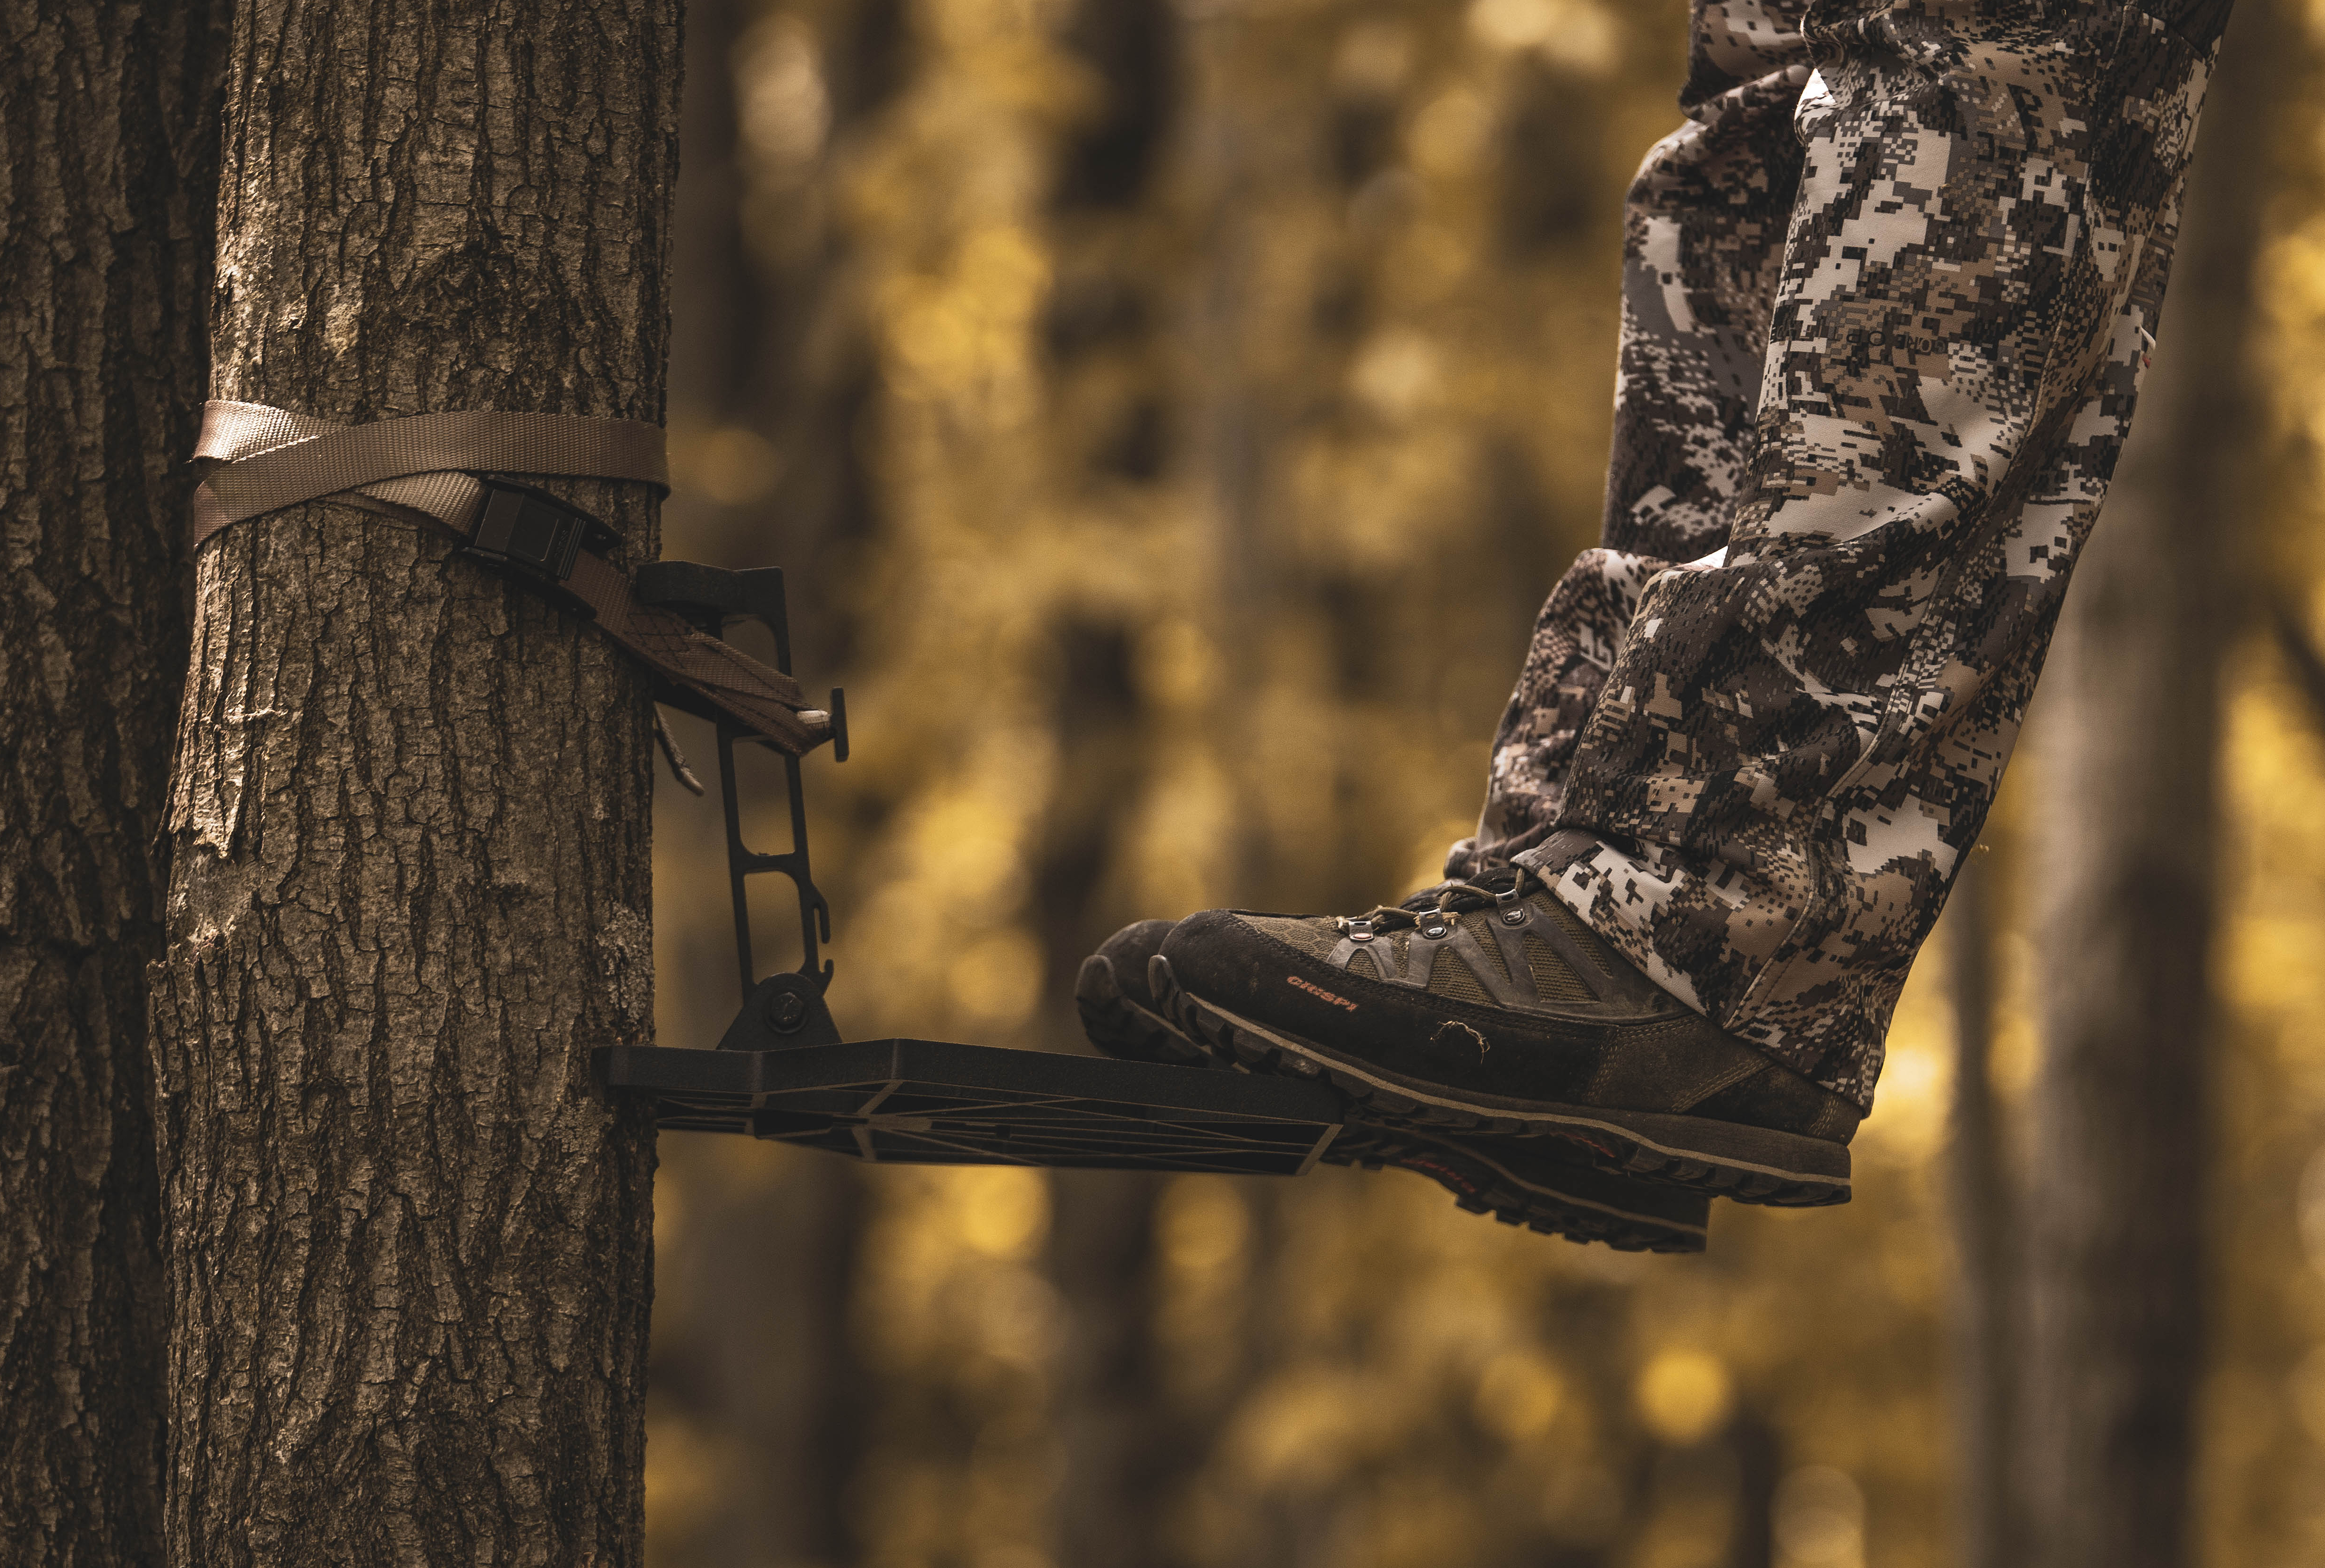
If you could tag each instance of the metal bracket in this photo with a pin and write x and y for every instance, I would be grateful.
(782, 1012)
(793, 1013)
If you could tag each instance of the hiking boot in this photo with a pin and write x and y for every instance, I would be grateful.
(1499, 1010)
(1545, 1184)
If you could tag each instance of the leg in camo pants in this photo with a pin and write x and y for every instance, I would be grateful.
(1889, 295)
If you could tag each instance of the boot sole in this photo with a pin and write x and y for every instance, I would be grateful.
(1512, 1199)
(1750, 1164)
(1121, 1027)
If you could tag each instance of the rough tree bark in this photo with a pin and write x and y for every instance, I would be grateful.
(109, 142)
(2115, 1231)
(410, 1243)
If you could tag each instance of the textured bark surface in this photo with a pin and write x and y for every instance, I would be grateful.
(410, 1244)
(108, 150)
(2114, 1217)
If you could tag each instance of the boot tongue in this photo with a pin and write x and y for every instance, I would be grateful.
(1422, 902)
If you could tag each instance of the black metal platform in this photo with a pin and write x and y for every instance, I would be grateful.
(933, 1102)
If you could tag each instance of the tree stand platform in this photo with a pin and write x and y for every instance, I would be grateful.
(782, 1072)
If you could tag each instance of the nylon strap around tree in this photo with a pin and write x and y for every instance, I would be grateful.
(431, 468)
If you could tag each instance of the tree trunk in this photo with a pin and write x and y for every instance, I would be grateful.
(755, 1361)
(108, 119)
(1125, 1458)
(410, 1242)
(1987, 1294)
(1127, 1455)
(2116, 1210)
(754, 1351)
(1232, 154)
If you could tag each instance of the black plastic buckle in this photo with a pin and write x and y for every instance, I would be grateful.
(523, 527)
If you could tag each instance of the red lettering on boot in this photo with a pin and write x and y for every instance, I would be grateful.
(1321, 991)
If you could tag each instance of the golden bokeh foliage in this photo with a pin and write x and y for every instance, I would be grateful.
(1171, 417)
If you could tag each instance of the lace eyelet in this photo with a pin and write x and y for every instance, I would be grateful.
(1433, 931)
(1516, 915)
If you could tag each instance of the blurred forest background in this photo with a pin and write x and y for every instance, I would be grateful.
(1171, 417)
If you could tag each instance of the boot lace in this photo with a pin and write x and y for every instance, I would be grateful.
(1503, 889)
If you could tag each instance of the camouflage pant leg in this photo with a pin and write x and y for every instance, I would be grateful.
(1799, 737)
(1576, 637)
(1703, 235)
(1703, 244)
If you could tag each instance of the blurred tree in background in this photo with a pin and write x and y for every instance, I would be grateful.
(1171, 417)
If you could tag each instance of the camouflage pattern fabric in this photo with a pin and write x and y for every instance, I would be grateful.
(1853, 463)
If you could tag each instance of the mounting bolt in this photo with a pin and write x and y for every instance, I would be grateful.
(785, 1011)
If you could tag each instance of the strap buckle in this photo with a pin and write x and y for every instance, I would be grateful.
(523, 527)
